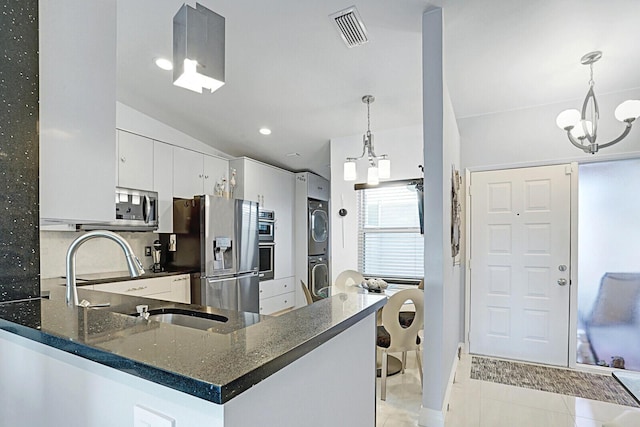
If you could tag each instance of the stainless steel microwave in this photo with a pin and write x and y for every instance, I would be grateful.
(266, 225)
(135, 210)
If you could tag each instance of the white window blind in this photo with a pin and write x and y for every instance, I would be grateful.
(389, 241)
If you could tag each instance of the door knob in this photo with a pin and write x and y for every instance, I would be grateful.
(562, 267)
(562, 282)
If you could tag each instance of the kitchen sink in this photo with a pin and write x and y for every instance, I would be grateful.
(187, 318)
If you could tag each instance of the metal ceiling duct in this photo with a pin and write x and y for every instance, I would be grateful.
(350, 26)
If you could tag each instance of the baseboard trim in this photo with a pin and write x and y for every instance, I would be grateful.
(452, 376)
(431, 417)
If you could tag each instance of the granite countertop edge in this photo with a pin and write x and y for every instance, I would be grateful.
(216, 393)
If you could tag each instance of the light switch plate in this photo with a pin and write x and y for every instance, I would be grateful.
(145, 417)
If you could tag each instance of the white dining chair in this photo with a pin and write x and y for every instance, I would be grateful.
(348, 278)
(394, 338)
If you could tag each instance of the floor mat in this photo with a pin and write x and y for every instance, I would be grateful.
(555, 380)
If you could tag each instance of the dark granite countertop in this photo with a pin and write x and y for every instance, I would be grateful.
(212, 365)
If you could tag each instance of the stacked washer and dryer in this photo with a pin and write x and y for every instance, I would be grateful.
(312, 232)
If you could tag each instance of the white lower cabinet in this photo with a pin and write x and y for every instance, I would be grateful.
(167, 288)
(181, 288)
(277, 295)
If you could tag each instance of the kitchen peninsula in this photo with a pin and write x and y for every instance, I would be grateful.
(313, 366)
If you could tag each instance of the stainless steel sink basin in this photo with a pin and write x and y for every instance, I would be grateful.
(187, 318)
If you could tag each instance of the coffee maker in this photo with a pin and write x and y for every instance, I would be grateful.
(156, 253)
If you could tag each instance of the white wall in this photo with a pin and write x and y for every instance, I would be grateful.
(609, 237)
(443, 285)
(531, 135)
(404, 147)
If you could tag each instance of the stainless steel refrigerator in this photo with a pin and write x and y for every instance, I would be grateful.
(220, 237)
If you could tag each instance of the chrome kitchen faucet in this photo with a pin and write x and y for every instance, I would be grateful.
(133, 263)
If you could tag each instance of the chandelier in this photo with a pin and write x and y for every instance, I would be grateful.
(379, 166)
(582, 126)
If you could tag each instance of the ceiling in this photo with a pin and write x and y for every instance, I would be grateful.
(288, 69)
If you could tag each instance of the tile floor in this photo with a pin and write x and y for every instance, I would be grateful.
(476, 403)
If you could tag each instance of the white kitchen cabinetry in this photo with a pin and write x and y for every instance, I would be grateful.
(196, 173)
(163, 184)
(167, 288)
(77, 102)
(135, 161)
(277, 295)
(273, 189)
(181, 288)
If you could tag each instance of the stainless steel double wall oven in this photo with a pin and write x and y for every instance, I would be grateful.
(266, 231)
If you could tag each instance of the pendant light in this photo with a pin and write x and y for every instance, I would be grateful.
(379, 166)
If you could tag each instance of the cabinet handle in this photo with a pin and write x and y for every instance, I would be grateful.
(199, 175)
(139, 288)
(206, 177)
(260, 290)
(285, 286)
(285, 301)
(123, 159)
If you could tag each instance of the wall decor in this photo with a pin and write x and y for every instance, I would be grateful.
(456, 210)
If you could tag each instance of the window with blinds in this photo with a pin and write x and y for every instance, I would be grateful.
(389, 241)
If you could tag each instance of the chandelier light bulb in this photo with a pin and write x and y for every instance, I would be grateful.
(568, 119)
(578, 131)
(384, 168)
(628, 111)
(350, 171)
(372, 176)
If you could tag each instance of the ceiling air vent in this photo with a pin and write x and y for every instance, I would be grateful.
(350, 26)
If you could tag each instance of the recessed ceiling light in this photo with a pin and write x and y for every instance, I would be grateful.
(164, 63)
(265, 131)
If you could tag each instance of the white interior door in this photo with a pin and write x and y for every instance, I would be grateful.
(520, 256)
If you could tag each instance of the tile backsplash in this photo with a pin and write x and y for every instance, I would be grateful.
(94, 256)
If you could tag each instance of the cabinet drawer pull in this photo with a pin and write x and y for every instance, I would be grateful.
(206, 177)
(139, 288)
(123, 159)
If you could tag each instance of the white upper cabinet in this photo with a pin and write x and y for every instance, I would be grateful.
(214, 170)
(163, 184)
(135, 161)
(77, 84)
(273, 188)
(196, 173)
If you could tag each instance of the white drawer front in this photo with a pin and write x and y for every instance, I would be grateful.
(277, 303)
(271, 288)
(141, 287)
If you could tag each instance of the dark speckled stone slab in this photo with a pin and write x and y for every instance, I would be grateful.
(214, 365)
(19, 239)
